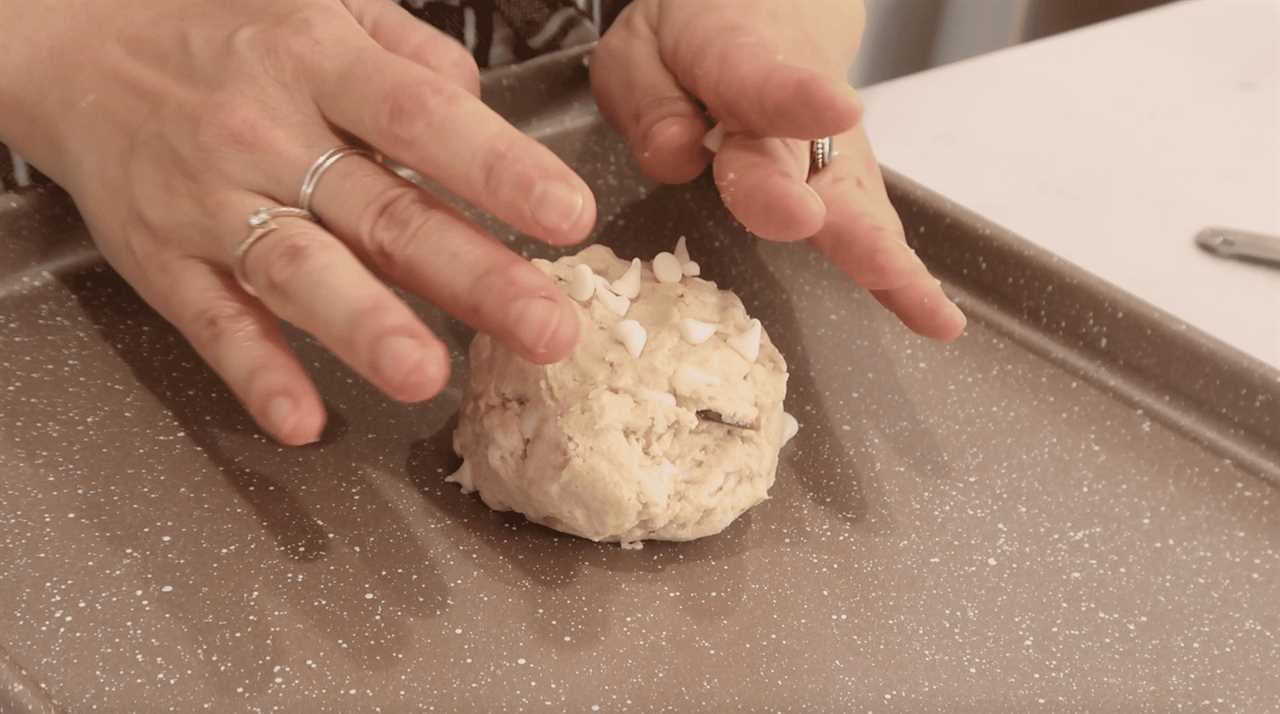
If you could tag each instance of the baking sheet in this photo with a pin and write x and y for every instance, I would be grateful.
(1068, 509)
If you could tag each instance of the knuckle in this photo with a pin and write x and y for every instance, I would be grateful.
(494, 167)
(287, 257)
(492, 291)
(879, 262)
(651, 111)
(459, 65)
(218, 322)
(844, 248)
(885, 264)
(285, 47)
(380, 316)
(715, 55)
(396, 223)
(418, 108)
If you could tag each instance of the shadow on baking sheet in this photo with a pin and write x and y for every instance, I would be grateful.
(305, 518)
(541, 564)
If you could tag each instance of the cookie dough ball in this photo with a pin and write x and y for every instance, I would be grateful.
(665, 423)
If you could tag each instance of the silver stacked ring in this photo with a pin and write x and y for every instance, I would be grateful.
(821, 152)
(261, 224)
(326, 161)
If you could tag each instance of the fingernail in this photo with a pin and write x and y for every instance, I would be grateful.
(815, 200)
(280, 411)
(534, 321)
(399, 363)
(899, 259)
(956, 316)
(556, 206)
(658, 132)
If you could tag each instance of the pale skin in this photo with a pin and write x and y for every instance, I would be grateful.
(169, 123)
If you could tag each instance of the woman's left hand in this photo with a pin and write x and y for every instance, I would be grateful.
(775, 75)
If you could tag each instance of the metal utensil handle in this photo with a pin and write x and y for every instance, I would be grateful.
(1232, 243)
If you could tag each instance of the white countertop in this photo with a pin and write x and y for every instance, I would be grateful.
(1112, 146)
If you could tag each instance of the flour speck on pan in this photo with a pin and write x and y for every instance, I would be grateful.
(664, 424)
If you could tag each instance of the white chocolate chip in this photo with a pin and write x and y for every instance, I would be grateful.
(583, 283)
(695, 332)
(632, 336)
(714, 139)
(681, 251)
(688, 267)
(747, 343)
(545, 266)
(616, 303)
(688, 379)
(628, 286)
(666, 268)
(790, 427)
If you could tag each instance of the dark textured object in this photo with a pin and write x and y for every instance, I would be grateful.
(1066, 510)
(6, 170)
(535, 27)
(1049, 17)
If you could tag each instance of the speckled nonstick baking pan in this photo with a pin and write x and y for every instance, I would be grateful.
(1070, 509)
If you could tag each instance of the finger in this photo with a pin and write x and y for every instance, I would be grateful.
(308, 277)
(241, 341)
(398, 31)
(864, 237)
(638, 95)
(429, 124)
(737, 68)
(925, 309)
(424, 246)
(762, 182)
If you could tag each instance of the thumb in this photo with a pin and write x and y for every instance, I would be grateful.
(640, 97)
(763, 67)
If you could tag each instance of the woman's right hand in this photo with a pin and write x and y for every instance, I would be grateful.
(170, 123)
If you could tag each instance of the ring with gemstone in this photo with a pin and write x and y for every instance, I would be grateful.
(261, 224)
